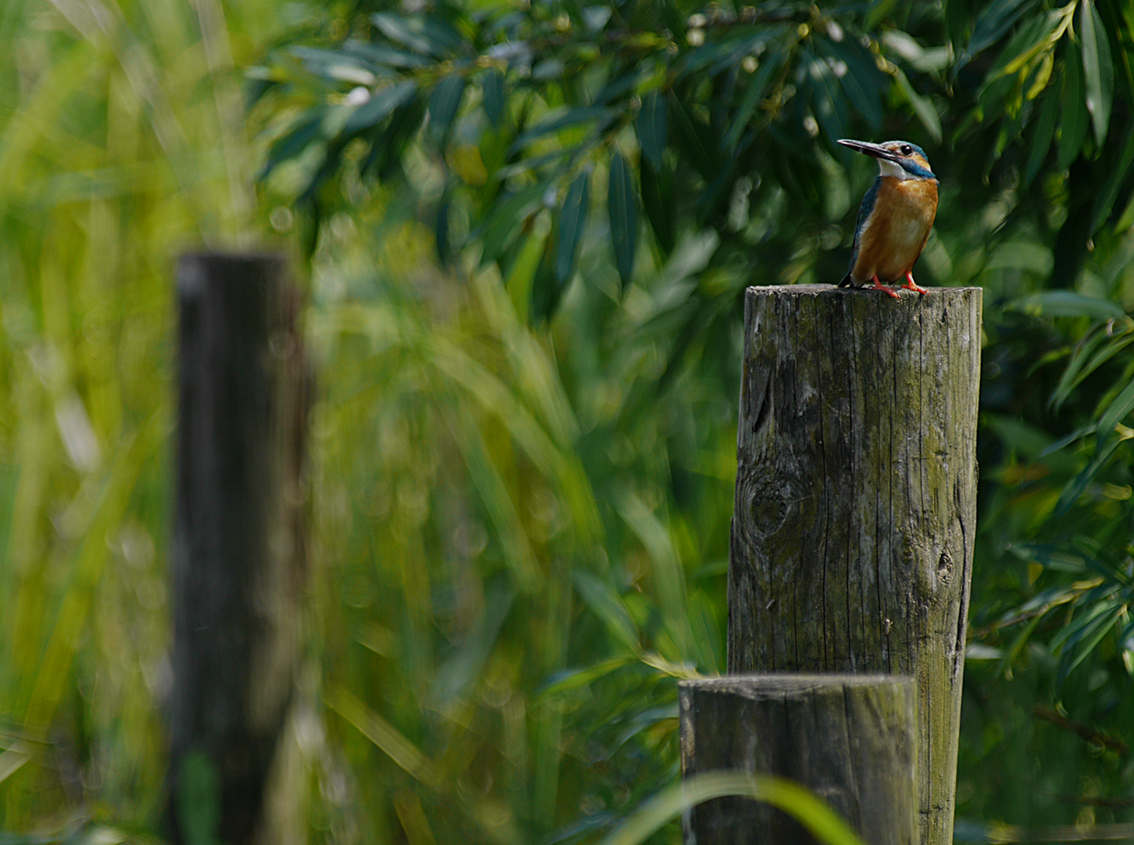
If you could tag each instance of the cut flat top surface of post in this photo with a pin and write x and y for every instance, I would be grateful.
(757, 685)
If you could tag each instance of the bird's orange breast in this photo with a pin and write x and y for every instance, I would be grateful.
(898, 227)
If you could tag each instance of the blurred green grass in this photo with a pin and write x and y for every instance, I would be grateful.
(121, 140)
(493, 521)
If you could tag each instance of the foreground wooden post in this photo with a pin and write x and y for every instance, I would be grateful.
(852, 537)
(852, 739)
(237, 551)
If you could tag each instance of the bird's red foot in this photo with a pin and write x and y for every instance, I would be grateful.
(888, 291)
(912, 285)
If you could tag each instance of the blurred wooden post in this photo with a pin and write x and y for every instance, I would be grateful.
(238, 559)
(852, 536)
(852, 739)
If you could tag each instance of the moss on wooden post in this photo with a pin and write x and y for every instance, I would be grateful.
(852, 739)
(853, 531)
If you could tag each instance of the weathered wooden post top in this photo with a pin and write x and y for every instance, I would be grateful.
(850, 738)
(852, 536)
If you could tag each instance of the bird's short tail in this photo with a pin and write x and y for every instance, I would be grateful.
(847, 282)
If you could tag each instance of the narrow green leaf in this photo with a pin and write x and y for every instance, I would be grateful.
(384, 56)
(714, 199)
(384, 735)
(1118, 18)
(1117, 172)
(425, 36)
(1088, 616)
(387, 153)
(605, 603)
(376, 109)
(862, 81)
(596, 17)
(754, 95)
(1087, 632)
(444, 102)
(546, 289)
(694, 137)
(922, 107)
(827, 102)
(548, 70)
(1066, 303)
(1074, 118)
(12, 759)
(957, 20)
(1044, 130)
(441, 230)
(1126, 218)
(1025, 439)
(800, 803)
(996, 96)
(992, 23)
(534, 164)
(799, 176)
(562, 120)
(523, 264)
(623, 210)
(619, 87)
(584, 676)
(1075, 488)
(505, 222)
(1079, 367)
(336, 65)
(1098, 72)
(492, 87)
(464, 666)
(1122, 405)
(706, 632)
(657, 199)
(652, 127)
(725, 52)
(1012, 653)
(572, 222)
(1032, 36)
(879, 11)
(306, 130)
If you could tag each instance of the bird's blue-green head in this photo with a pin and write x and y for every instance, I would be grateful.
(900, 159)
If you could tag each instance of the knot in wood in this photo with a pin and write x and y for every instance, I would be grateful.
(767, 504)
(945, 567)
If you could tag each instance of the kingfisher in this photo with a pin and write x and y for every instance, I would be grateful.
(894, 219)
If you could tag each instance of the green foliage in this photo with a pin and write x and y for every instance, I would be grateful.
(797, 802)
(120, 141)
(511, 598)
(1051, 607)
(724, 113)
(524, 453)
(198, 800)
(720, 126)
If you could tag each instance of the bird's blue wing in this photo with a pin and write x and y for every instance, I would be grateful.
(864, 211)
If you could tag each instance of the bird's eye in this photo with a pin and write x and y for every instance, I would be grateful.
(906, 149)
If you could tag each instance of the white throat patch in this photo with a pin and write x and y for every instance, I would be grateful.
(892, 168)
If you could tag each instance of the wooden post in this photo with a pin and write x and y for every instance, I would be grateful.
(238, 547)
(852, 739)
(852, 537)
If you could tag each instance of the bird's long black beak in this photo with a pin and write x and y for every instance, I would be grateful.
(873, 150)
